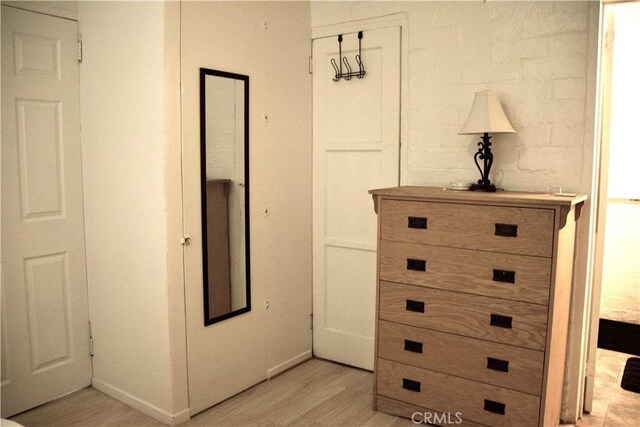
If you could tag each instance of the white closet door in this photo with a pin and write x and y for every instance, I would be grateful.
(45, 322)
(356, 147)
(230, 356)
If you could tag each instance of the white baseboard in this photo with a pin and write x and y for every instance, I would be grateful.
(184, 415)
(289, 364)
(181, 417)
(141, 405)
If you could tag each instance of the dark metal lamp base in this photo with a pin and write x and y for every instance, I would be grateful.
(483, 187)
(484, 154)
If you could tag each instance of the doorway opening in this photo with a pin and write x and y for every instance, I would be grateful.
(611, 399)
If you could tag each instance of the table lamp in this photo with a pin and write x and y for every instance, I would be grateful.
(486, 116)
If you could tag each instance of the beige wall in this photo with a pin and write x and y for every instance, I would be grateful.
(123, 138)
(231, 36)
(621, 271)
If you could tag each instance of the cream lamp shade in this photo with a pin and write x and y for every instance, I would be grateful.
(486, 116)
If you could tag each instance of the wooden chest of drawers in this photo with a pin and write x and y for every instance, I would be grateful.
(472, 304)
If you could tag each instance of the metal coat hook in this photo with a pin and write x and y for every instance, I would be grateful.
(343, 60)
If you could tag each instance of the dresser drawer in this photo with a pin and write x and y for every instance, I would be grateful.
(420, 415)
(525, 231)
(510, 322)
(488, 362)
(514, 277)
(481, 403)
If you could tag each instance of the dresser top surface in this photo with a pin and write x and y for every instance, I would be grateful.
(499, 197)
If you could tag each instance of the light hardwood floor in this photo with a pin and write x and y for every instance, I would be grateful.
(612, 405)
(318, 393)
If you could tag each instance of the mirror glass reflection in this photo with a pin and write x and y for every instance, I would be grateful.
(224, 150)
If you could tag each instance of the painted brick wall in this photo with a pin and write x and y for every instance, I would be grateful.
(538, 57)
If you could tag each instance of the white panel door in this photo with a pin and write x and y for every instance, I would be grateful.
(45, 322)
(356, 147)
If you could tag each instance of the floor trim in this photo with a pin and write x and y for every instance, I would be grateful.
(141, 405)
(302, 357)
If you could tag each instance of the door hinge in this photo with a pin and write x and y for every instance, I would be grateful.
(311, 321)
(80, 48)
(311, 65)
(185, 240)
(91, 353)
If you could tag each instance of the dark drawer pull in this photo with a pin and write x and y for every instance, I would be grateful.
(504, 276)
(417, 306)
(416, 264)
(417, 222)
(497, 364)
(413, 346)
(507, 230)
(411, 385)
(501, 321)
(495, 407)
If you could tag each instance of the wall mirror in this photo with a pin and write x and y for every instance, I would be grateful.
(224, 163)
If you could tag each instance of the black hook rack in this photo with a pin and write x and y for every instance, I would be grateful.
(349, 74)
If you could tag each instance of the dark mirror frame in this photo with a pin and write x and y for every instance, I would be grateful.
(203, 190)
